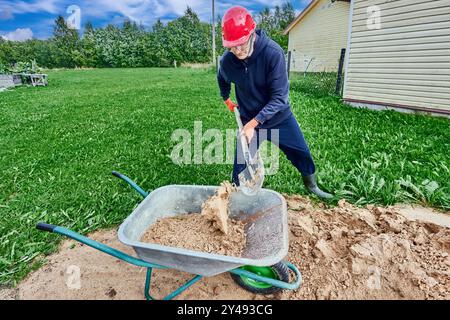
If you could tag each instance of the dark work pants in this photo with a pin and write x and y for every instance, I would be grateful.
(291, 142)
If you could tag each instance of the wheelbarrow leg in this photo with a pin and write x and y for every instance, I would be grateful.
(173, 294)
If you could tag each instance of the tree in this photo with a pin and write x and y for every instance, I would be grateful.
(189, 40)
(219, 45)
(88, 47)
(131, 36)
(155, 46)
(121, 47)
(41, 51)
(6, 52)
(66, 45)
(274, 22)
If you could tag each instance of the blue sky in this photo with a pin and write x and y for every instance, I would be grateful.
(23, 19)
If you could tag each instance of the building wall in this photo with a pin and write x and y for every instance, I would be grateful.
(405, 62)
(318, 38)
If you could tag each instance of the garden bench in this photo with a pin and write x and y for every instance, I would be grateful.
(37, 79)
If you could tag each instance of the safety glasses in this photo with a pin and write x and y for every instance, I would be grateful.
(243, 47)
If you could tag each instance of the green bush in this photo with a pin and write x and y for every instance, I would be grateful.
(182, 40)
(4, 69)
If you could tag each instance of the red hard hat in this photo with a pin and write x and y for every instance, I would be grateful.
(237, 26)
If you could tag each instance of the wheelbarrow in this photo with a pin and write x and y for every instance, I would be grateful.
(260, 269)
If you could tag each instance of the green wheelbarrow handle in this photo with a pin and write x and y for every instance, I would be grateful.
(131, 183)
(97, 245)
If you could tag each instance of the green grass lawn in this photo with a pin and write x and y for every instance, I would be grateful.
(60, 143)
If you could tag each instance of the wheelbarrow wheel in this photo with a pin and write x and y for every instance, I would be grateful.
(279, 271)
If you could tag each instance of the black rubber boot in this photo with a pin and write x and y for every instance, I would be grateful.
(311, 185)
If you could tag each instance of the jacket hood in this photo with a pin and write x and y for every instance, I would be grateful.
(262, 41)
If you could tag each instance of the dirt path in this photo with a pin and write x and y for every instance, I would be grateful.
(343, 253)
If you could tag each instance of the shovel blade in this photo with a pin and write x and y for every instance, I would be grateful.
(251, 178)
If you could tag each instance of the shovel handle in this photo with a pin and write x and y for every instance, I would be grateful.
(238, 118)
(244, 141)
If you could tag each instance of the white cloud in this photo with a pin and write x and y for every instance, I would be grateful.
(19, 7)
(270, 3)
(19, 35)
(6, 14)
(145, 12)
(148, 11)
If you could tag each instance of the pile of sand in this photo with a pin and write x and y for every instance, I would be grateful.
(210, 231)
(344, 252)
(348, 252)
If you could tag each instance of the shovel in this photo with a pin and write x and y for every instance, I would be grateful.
(252, 178)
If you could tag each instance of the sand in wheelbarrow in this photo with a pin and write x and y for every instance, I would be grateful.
(211, 231)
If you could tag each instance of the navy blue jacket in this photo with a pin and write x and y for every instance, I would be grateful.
(261, 82)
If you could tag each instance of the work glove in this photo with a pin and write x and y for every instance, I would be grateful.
(230, 104)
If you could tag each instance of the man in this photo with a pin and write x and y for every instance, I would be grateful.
(256, 65)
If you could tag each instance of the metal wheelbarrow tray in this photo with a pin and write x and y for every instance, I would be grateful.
(264, 215)
(266, 229)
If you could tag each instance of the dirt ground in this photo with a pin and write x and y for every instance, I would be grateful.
(345, 252)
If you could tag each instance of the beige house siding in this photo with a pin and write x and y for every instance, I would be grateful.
(317, 39)
(405, 63)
